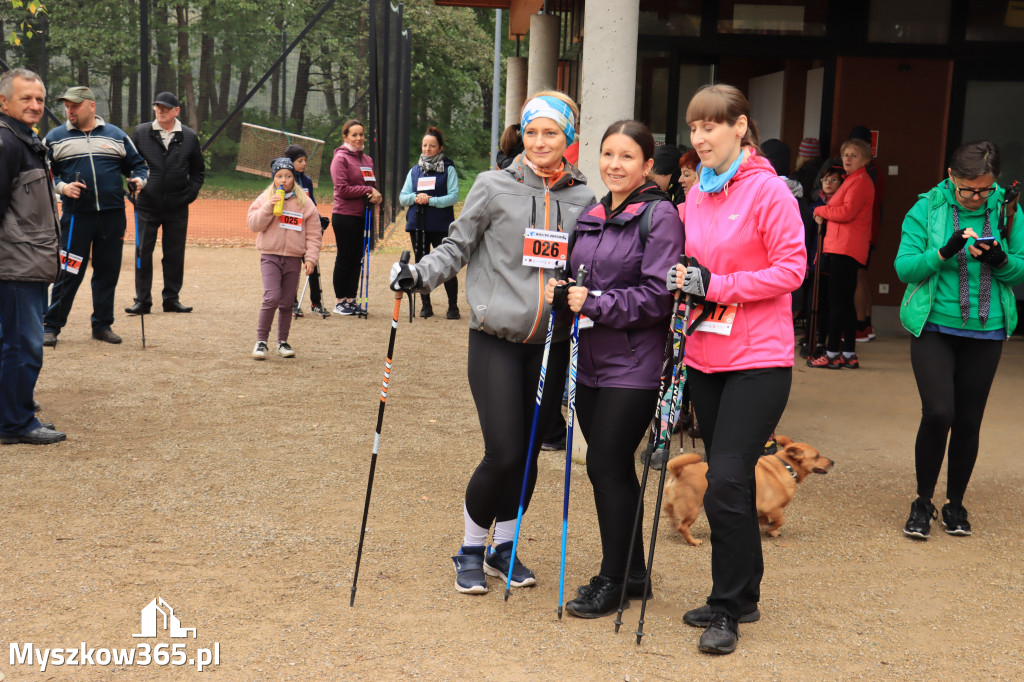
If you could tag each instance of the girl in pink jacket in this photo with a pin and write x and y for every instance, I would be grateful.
(286, 237)
(745, 243)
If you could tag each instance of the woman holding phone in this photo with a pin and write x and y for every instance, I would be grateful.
(961, 252)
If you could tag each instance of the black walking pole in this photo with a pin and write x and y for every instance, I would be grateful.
(65, 261)
(380, 422)
(138, 260)
(813, 322)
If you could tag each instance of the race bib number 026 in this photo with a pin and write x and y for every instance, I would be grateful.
(545, 248)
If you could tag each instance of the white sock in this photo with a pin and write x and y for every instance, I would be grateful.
(475, 536)
(848, 354)
(504, 531)
(829, 354)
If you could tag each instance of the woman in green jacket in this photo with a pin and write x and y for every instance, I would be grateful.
(960, 258)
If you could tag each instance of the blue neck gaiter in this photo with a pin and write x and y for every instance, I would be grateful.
(711, 182)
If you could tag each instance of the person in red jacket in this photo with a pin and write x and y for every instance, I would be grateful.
(354, 184)
(847, 241)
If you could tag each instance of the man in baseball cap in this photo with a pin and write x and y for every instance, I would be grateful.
(77, 95)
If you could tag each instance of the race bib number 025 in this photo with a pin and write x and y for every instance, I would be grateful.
(291, 221)
(545, 248)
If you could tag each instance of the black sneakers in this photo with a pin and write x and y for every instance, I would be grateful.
(721, 635)
(469, 570)
(634, 585)
(702, 616)
(601, 598)
(919, 524)
(954, 519)
(496, 562)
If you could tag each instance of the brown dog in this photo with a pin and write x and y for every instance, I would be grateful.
(776, 477)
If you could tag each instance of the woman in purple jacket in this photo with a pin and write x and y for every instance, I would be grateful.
(624, 321)
(354, 185)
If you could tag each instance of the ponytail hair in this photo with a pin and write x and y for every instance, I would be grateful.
(721, 103)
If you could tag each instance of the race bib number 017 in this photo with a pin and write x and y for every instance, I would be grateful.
(720, 320)
(545, 248)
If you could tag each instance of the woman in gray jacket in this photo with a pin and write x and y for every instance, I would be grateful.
(513, 221)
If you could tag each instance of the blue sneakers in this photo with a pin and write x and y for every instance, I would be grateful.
(469, 570)
(497, 563)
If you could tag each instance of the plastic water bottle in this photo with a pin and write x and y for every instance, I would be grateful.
(279, 206)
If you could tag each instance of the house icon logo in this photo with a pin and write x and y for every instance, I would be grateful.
(150, 621)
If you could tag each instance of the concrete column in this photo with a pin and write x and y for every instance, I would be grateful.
(543, 73)
(515, 88)
(608, 77)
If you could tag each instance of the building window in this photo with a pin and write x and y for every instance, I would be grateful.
(995, 20)
(1001, 124)
(778, 17)
(909, 21)
(670, 17)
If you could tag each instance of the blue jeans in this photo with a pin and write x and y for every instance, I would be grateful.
(21, 353)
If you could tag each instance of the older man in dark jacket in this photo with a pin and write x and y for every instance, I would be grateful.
(29, 256)
(176, 173)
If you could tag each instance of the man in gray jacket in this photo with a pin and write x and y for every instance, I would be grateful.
(28, 256)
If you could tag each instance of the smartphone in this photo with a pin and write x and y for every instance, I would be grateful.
(987, 241)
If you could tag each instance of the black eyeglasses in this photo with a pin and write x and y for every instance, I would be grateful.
(968, 193)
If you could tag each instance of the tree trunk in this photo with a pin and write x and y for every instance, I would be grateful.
(207, 95)
(83, 73)
(301, 87)
(116, 82)
(133, 96)
(225, 90)
(328, 85)
(166, 80)
(184, 66)
(358, 84)
(235, 129)
(275, 80)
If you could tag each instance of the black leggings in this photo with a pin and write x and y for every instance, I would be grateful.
(348, 232)
(737, 412)
(842, 314)
(954, 375)
(503, 379)
(422, 240)
(614, 421)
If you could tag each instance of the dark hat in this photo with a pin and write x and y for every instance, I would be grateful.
(666, 160)
(860, 133)
(77, 94)
(295, 152)
(282, 162)
(778, 154)
(166, 99)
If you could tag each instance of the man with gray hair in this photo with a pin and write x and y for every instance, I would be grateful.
(28, 256)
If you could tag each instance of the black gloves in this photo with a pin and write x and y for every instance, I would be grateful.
(995, 257)
(955, 244)
(696, 280)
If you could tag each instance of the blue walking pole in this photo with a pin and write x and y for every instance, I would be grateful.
(574, 350)
(530, 449)
(138, 262)
(363, 301)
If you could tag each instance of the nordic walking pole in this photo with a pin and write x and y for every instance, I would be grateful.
(812, 323)
(530, 448)
(63, 272)
(138, 260)
(574, 349)
(659, 435)
(363, 302)
(678, 351)
(380, 422)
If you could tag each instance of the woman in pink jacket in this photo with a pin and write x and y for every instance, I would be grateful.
(848, 242)
(286, 237)
(354, 185)
(745, 243)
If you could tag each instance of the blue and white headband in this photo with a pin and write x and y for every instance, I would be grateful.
(554, 109)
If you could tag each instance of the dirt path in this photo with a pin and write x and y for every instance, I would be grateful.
(233, 490)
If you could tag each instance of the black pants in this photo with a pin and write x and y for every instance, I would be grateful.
(954, 375)
(614, 421)
(175, 229)
(503, 379)
(842, 314)
(348, 231)
(737, 412)
(99, 234)
(422, 241)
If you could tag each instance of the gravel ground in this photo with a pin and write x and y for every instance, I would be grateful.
(233, 489)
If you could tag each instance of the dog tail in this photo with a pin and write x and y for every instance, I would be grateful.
(680, 462)
(783, 441)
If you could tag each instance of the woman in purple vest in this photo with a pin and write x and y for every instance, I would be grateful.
(430, 191)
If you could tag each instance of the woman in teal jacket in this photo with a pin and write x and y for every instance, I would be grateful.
(960, 308)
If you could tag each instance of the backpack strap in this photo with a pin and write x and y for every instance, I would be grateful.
(646, 220)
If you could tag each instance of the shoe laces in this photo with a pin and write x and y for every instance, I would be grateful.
(923, 512)
(722, 621)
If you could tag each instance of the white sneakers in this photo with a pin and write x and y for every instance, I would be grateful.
(261, 350)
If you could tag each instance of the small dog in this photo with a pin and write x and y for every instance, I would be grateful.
(776, 477)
